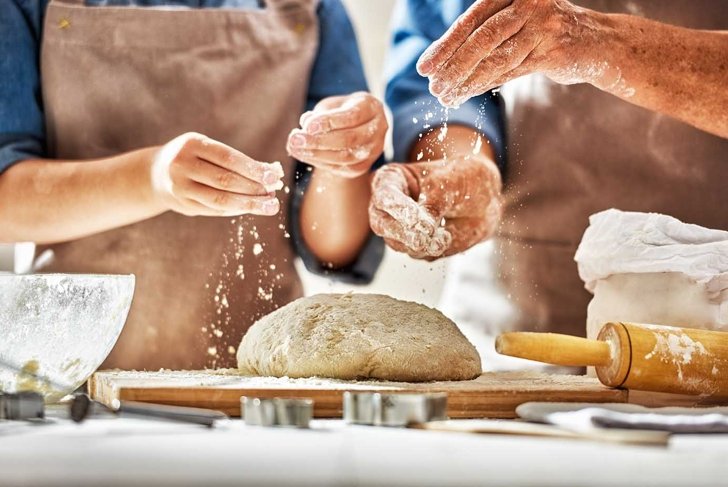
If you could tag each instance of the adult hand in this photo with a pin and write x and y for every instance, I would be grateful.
(434, 209)
(495, 41)
(343, 135)
(195, 175)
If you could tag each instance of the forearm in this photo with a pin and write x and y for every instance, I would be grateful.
(49, 201)
(672, 70)
(334, 220)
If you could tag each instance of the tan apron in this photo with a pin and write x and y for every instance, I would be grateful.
(573, 151)
(122, 78)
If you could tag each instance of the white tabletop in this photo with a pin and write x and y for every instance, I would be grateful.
(133, 452)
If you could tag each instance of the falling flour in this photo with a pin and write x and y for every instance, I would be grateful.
(477, 145)
(443, 133)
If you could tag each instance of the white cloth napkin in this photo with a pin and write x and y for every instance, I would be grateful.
(627, 416)
(621, 242)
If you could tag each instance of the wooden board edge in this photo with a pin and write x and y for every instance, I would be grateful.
(101, 389)
(328, 404)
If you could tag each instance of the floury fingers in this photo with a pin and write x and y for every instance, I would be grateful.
(342, 135)
(429, 210)
(196, 175)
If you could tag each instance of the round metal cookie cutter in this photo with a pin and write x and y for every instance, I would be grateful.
(20, 406)
(377, 409)
(292, 413)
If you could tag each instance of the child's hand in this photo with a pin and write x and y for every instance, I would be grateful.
(195, 175)
(343, 135)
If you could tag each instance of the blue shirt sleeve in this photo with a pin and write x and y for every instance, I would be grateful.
(22, 130)
(337, 70)
(416, 24)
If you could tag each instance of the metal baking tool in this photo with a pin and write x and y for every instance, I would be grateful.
(377, 409)
(21, 406)
(82, 406)
(295, 413)
(359, 408)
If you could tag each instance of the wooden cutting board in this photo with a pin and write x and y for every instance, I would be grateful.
(492, 395)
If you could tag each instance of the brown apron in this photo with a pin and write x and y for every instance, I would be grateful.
(574, 151)
(122, 78)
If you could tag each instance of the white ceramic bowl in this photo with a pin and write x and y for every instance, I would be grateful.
(56, 329)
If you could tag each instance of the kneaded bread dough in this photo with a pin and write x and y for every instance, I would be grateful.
(358, 336)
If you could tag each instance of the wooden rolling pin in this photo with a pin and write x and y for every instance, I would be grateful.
(634, 356)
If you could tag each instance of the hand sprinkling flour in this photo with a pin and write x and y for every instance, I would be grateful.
(343, 135)
(428, 210)
(197, 176)
(341, 139)
(496, 41)
(672, 70)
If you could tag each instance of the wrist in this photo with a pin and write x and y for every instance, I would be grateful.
(148, 180)
(494, 173)
(594, 47)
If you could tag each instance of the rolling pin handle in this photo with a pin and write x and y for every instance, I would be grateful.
(552, 348)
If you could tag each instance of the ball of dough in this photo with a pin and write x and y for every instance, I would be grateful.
(358, 336)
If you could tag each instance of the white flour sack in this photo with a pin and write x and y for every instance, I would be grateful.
(652, 268)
